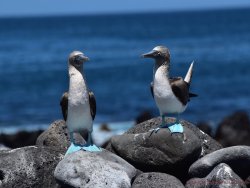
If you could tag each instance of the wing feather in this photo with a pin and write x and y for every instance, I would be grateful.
(180, 89)
(64, 105)
(152, 89)
(92, 103)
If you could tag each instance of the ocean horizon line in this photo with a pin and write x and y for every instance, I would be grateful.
(125, 13)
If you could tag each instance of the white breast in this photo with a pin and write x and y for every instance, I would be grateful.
(79, 116)
(163, 94)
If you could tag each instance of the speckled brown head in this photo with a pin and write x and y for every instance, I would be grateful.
(159, 53)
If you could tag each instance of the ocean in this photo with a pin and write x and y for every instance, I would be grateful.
(34, 52)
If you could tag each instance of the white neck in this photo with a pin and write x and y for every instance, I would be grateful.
(73, 69)
(161, 71)
(78, 93)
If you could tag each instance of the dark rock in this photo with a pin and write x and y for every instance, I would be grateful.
(94, 169)
(20, 139)
(208, 144)
(156, 180)
(205, 127)
(144, 116)
(28, 167)
(247, 182)
(57, 136)
(234, 130)
(109, 147)
(237, 157)
(220, 177)
(105, 127)
(161, 151)
(106, 144)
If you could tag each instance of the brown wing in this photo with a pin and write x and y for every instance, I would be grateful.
(152, 89)
(180, 89)
(92, 103)
(64, 105)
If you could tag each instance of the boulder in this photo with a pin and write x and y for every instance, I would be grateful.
(156, 180)
(205, 127)
(208, 144)
(57, 136)
(220, 177)
(237, 157)
(94, 169)
(20, 138)
(160, 152)
(28, 167)
(234, 130)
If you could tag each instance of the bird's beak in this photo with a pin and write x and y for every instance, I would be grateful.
(148, 55)
(84, 58)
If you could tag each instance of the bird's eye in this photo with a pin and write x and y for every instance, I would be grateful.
(156, 54)
(77, 58)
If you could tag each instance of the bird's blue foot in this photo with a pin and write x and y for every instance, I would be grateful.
(174, 128)
(73, 148)
(92, 147)
(76, 147)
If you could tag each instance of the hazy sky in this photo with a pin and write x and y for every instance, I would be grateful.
(57, 7)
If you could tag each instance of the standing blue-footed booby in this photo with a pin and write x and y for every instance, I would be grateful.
(170, 94)
(78, 105)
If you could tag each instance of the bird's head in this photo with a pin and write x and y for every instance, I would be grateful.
(77, 58)
(161, 54)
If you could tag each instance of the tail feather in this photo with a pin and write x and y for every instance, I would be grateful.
(188, 76)
(193, 95)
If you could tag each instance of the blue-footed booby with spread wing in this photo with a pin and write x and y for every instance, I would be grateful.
(78, 104)
(170, 94)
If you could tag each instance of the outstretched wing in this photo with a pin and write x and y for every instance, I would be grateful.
(92, 103)
(64, 105)
(180, 89)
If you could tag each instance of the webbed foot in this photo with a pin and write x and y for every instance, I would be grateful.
(175, 128)
(87, 147)
(92, 147)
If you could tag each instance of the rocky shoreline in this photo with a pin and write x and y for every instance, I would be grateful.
(135, 159)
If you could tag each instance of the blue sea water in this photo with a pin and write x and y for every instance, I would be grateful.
(34, 51)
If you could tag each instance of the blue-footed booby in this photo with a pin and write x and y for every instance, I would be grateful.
(78, 104)
(170, 94)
